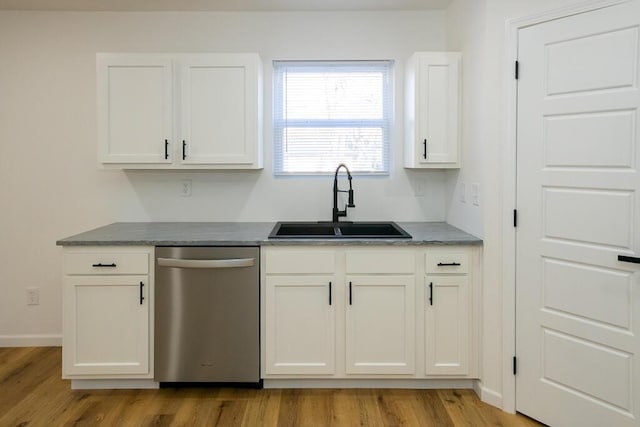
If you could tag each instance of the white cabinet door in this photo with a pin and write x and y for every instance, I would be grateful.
(106, 325)
(432, 110)
(220, 109)
(300, 325)
(447, 324)
(135, 108)
(214, 101)
(380, 324)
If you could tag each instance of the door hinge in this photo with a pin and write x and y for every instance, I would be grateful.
(517, 70)
(515, 365)
(515, 217)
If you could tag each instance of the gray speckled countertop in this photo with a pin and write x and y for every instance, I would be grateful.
(249, 234)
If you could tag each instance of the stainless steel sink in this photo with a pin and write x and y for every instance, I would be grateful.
(338, 230)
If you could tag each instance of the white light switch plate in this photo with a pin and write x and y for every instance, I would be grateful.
(475, 194)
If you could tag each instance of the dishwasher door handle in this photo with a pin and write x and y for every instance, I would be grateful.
(206, 263)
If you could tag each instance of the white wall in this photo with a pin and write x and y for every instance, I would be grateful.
(466, 33)
(52, 186)
(477, 28)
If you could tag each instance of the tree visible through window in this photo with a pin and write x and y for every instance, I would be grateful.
(332, 112)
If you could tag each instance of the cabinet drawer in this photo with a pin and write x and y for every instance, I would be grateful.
(304, 261)
(82, 263)
(447, 261)
(381, 262)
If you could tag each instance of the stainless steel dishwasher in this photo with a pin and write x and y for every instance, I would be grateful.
(207, 315)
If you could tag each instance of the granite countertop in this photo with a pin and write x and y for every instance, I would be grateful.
(249, 234)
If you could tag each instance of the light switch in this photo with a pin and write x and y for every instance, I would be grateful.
(475, 194)
(463, 192)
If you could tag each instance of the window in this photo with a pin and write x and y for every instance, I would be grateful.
(332, 112)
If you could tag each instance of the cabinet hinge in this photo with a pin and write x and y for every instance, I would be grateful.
(515, 217)
(517, 70)
(515, 365)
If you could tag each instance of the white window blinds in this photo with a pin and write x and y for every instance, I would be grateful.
(332, 112)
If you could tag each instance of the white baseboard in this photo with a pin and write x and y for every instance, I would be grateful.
(487, 395)
(30, 340)
(113, 384)
(366, 383)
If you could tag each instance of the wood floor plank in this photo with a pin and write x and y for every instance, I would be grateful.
(264, 409)
(24, 374)
(32, 393)
(421, 407)
(435, 414)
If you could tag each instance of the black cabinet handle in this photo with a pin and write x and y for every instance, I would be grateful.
(431, 293)
(350, 295)
(329, 293)
(632, 259)
(166, 149)
(424, 154)
(113, 264)
(184, 149)
(448, 264)
(141, 292)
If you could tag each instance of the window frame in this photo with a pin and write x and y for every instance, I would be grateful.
(280, 123)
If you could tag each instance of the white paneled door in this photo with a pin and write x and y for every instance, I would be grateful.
(578, 201)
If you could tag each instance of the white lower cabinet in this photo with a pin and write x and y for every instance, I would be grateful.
(446, 325)
(300, 325)
(299, 318)
(449, 312)
(380, 325)
(370, 312)
(107, 295)
(379, 315)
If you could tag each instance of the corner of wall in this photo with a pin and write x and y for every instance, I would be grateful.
(488, 396)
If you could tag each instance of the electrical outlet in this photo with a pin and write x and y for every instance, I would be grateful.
(475, 194)
(33, 296)
(185, 188)
(463, 192)
(419, 188)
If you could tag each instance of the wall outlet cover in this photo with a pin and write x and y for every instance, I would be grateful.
(33, 296)
(185, 188)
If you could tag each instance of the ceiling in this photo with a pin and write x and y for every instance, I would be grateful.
(223, 5)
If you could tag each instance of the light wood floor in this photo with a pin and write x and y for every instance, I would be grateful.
(33, 394)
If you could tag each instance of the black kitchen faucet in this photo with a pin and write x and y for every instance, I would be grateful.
(338, 213)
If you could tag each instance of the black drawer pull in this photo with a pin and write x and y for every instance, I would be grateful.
(448, 264)
(113, 264)
(350, 295)
(632, 259)
(141, 292)
(166, 149)
(329, 293)
(431, 293)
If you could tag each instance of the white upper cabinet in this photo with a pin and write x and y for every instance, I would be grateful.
(432, 95)
(135, 108)
(221, 121)
(180, 111)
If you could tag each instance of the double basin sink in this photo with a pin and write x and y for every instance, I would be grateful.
(338, 230)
